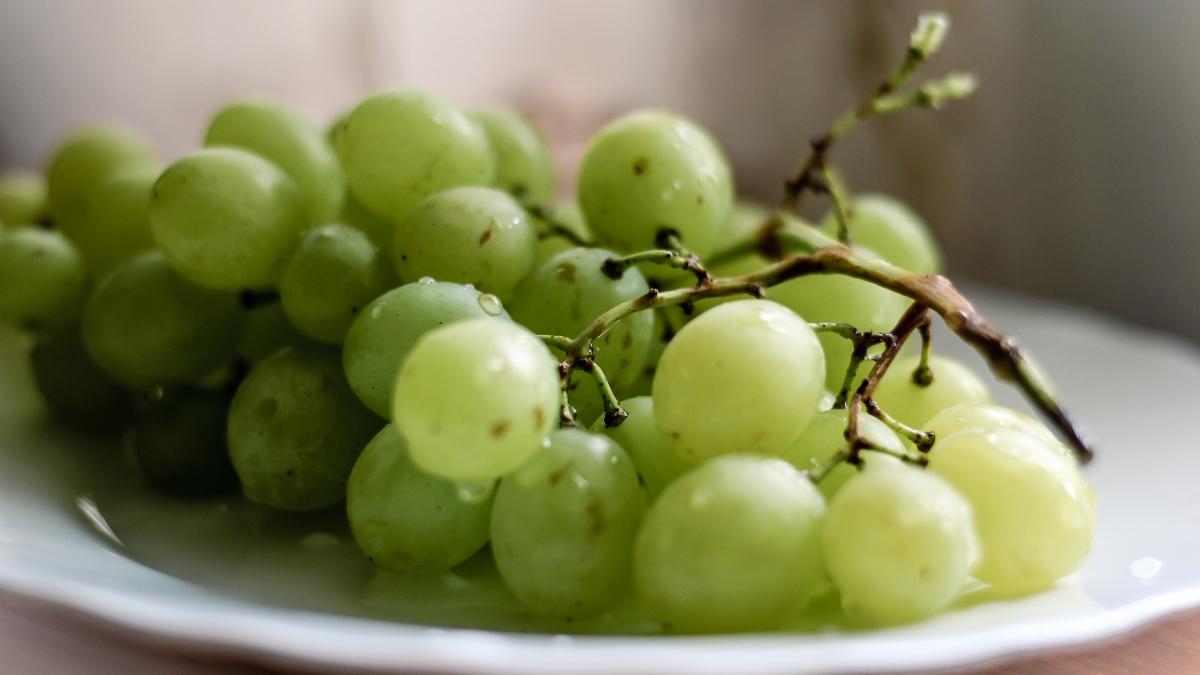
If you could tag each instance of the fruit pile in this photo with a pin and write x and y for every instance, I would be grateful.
(397, 315)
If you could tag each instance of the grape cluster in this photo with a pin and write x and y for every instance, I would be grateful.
(393, 314)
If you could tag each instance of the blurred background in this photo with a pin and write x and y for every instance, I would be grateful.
(1072, 174)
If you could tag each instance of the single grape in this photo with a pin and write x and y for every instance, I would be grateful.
(570, 216)
(332, 274)
(563, 525)
(953, 384)
(523, 164)
(899, 544)
(23, 198)
(730, 546)
(145, 325)
(476, 399)
(117, 224)
(180, 443)
(656, 461)
(988, 416)
(650, 171)
(294, 144)
(825, 435)
(265, 331)
(892, 230)
(386, 330)
(471, 235)
(1033, 510)
(82, 161)
(406, 520)
(42, 279)
(742, 377)
(659, 337)
(295, 430)
(564, 294)
(402, 145)
(226, 217)
(380, 230)
(75, 390)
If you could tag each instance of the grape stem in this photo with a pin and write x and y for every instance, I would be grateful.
(833, 185)
(922, 375)
(860, 342)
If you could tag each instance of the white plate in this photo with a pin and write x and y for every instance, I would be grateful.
(237, 582)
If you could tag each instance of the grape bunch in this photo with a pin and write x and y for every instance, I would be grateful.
(397, 315)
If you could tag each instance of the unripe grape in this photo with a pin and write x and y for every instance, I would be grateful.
(82, 161)
(23, 198)
(42, 279)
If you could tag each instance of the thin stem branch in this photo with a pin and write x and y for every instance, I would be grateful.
(562, 344)
(922, 439)
(922, 376)
(835, 187)
(614, 414)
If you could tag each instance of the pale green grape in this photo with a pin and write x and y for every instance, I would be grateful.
(656, 461)
(380, 230)
(899, 544)
(1033, 510)
(476, 399)
(825, 435)
(742, 377)
(730, 546)
(987, 416)
(23, 198)
(226, 217)
(265, 331)
(914, 404)
(471, 235)
(892, 230)
(400, 146)
(650, 171)
(145, 325)
(42, 279)
(745, 218)
(82, 161)
(294, 144)
(332, 274)
(386, 330)
(564, 294)
(406, 520)
(563, 525)
(180, 443)
(569, 215)
(295, 430)
(523, 164)
(75, 390)
(117, 224)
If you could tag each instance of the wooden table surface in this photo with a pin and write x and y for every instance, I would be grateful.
(36, 641)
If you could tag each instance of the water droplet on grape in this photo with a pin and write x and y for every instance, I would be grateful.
(425, 281)
(470, 287)
(490, 304)
(475, 493)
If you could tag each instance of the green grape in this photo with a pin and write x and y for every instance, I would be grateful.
(402, 145)
(1033, 510)
(332, 274)
(295, 430)
(117, 224)
(42, 279)
(145, 325)
(563, 525)
(899, 544)
(471, 235)
(386, 330)
(988, 416)
(570, 216)
(825, 435)
(523, 164)
(23, 198)
(730, 546)
(82, 161)
(265, 331)
(892, 230)
(832, 297)
(476, 399)
(659, 337)
(406, 520)
(650, 171)
(226, 217)
(380, 230)
(742, 377)
(564, 294)
(75, 390)
(656, 461)
(745, 218)
(180, 443)
(284, 137)
(914, 404)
